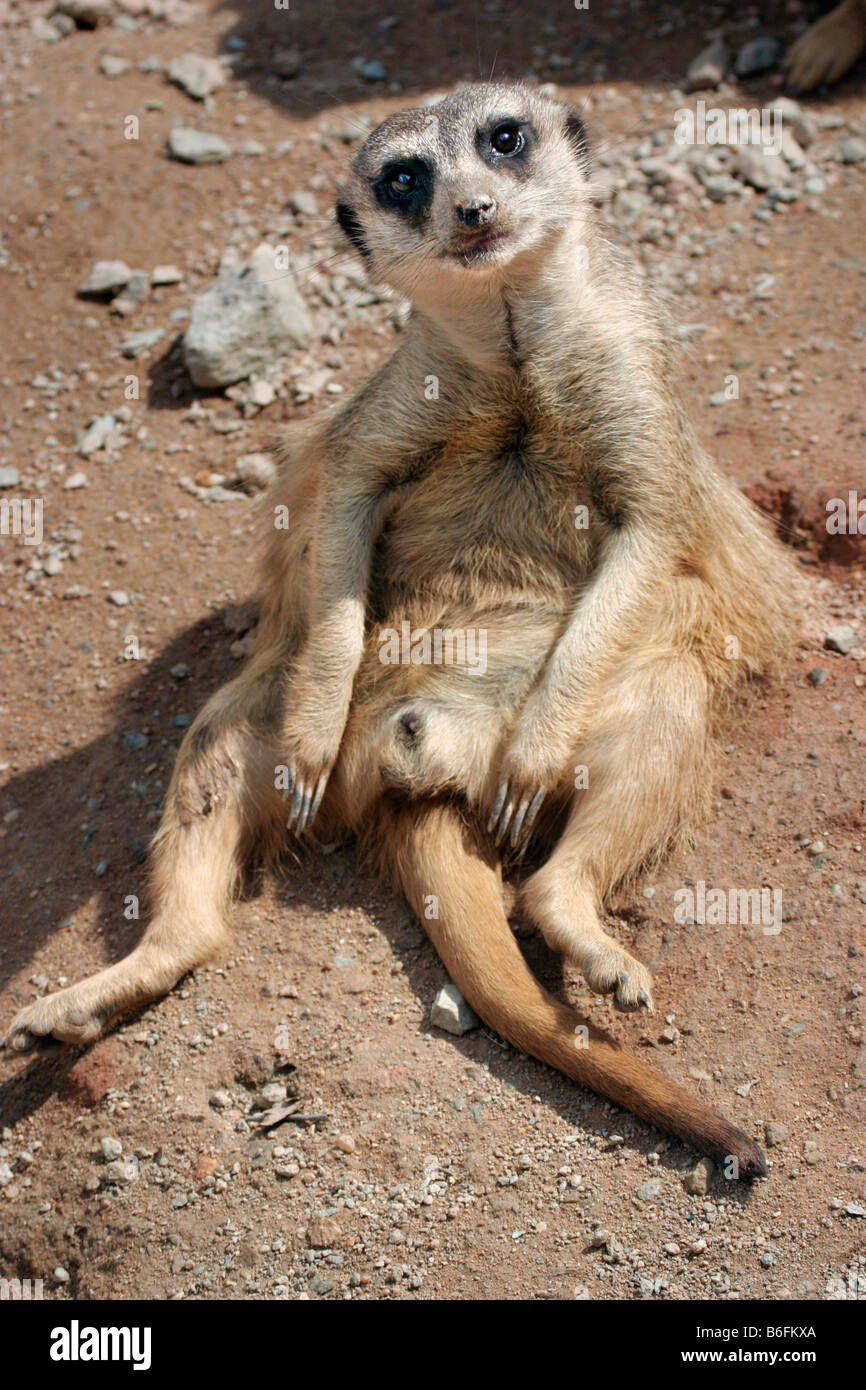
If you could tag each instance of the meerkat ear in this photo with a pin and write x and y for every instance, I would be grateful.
(348, 221)
(577, 137)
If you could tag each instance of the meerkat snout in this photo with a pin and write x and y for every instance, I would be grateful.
(479, 212)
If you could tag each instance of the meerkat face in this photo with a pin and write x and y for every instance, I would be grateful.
(464, 188)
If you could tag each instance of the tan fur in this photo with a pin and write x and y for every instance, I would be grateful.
(620, 646)
(828, 48)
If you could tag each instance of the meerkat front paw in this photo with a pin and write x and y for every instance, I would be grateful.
(62, 1017)
(611, 970)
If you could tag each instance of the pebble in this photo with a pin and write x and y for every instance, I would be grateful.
(139, 343)
(180, 671)
(75, 481)
(303, 202)
(323, 1233)
(135, 741)
(776, 1134)
(709, 68)
(346, 1143)
(451, 1012)
(255, 472)
(795, 119)
(197, 76)
(135, 292)
(759, 167)
(96, 436)
(697, 1181)
(220, 1100)
(61, 1275)
(105, 277)
(124, 1170)
(261, 393)
(818, 675)
(9, 476)
(651, 1190)
(165, 275)
(111, 1148)
(247, 319)
(758, 55)
(110, 66)
(119, 597)
(286, 62)
(370, 69)
(840, 639)
(197, 146)
(853, 151)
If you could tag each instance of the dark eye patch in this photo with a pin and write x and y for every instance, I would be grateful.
(348, 220)
(577, 137)
(507, 142)
(405, 186)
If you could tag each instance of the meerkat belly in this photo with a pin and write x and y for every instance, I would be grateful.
(473, 581)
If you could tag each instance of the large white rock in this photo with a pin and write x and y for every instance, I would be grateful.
(251, 315)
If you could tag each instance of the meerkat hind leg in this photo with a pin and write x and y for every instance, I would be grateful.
(219, 794)
(646, 763)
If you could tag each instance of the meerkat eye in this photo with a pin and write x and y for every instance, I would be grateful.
(507, 139)
(402, 182)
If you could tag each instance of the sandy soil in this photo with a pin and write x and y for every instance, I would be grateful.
(438, 1167)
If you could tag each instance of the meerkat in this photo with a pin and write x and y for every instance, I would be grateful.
(520, 467)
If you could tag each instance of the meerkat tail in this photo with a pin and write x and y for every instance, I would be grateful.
(451, 881)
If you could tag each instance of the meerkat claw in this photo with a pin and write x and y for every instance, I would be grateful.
(497, 807)
(505, 821)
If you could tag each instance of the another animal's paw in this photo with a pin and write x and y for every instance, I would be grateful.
(308, 782)
(827, 49)
(613, 971)
(515, 808)
(310, 759)
(61, 1017)
(531, 769)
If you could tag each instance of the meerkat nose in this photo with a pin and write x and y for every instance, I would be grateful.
(478, 213)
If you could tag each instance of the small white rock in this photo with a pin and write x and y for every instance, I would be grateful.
(451, 1012)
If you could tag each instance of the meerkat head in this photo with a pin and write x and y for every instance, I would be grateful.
(464, 189)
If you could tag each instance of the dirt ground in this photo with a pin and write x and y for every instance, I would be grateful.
(435, 1167)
